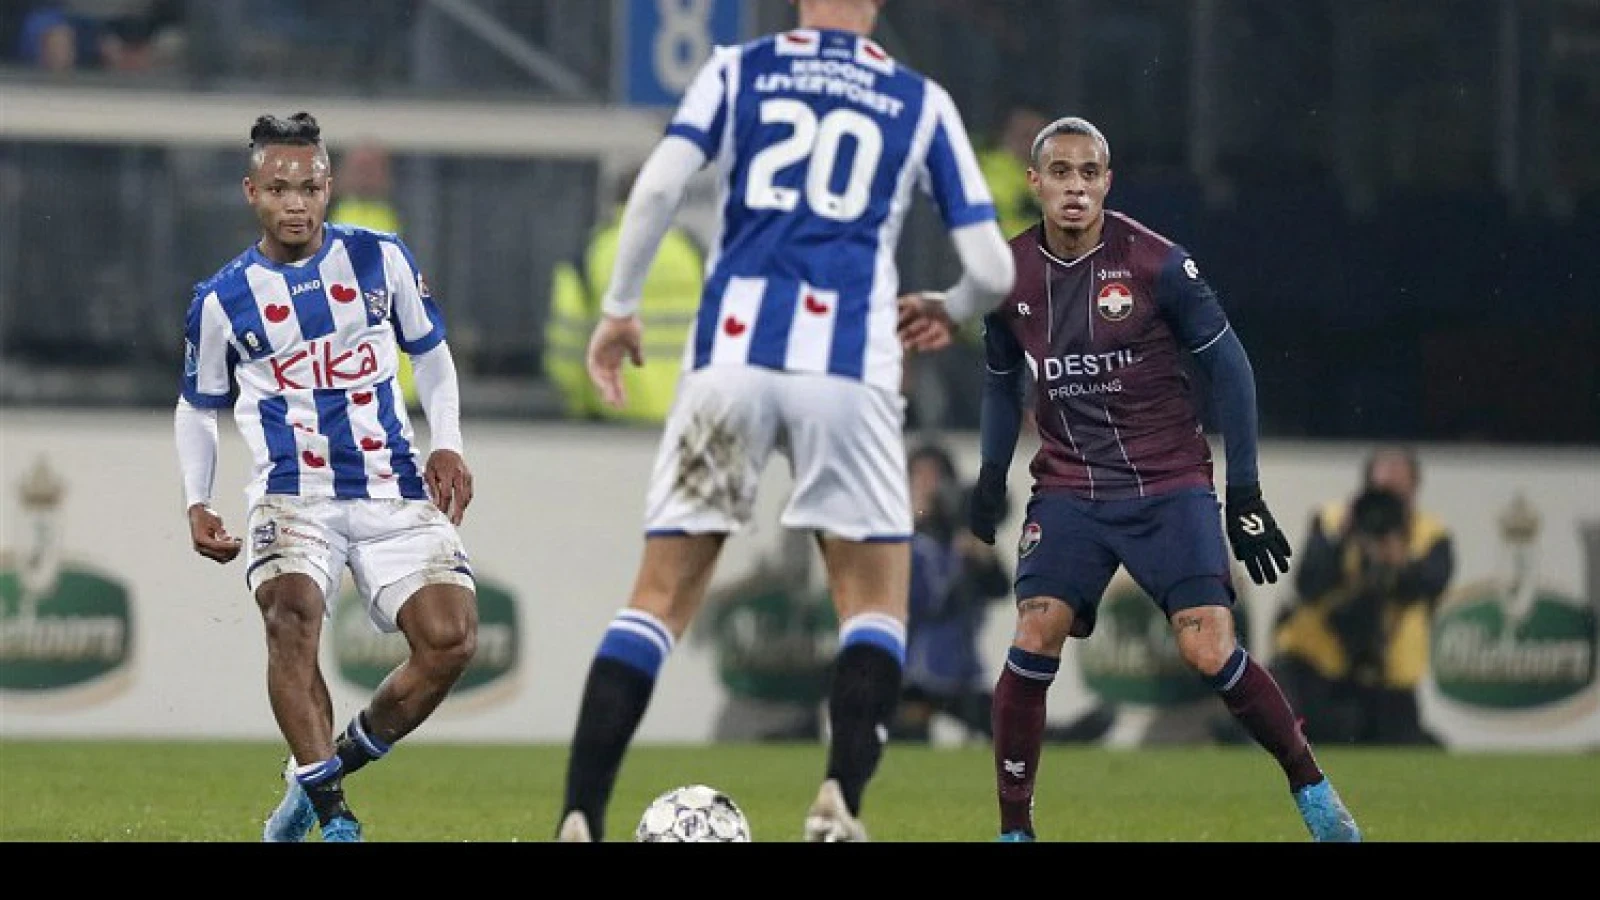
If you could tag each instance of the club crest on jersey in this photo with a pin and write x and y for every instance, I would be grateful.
(1115, 302)
(263, 535)
(1031, 534)
(377, 303)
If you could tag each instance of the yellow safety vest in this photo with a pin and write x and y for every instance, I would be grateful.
(1014, 205)
(1007, 178)
(671, 301)
(378, 215)
(1307, 635)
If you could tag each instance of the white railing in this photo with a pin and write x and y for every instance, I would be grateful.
(614, 135)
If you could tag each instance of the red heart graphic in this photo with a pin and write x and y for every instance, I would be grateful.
(816, 307)
(371, 443)
(361, 398)
(342, 294)
(304, 427)
(276, 313)
(385, 474)
(733, 326)
(312, 460)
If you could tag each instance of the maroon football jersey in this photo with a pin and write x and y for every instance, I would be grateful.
(1104, 338)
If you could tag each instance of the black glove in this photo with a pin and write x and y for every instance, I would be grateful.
(1255, 536)
(989, 503)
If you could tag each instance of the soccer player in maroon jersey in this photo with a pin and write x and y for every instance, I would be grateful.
(1101, 316)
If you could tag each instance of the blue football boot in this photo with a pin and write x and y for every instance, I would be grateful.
(1016, 837)
(294, 818)
(341, 830)
(1325, 814)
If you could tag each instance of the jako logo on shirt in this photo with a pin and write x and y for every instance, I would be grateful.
(66, 632)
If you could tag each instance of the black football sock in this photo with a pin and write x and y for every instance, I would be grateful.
(324, 786)
(356, 746)
(861, 702)
(614, 700)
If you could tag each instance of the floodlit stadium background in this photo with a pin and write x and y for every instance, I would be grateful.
(1398, 203)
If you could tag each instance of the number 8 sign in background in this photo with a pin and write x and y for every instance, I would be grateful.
(666, 41)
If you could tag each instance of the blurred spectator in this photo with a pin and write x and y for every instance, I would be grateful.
(1353, 648)
(363, 189)
(1005, 160)
(954, 578)
(671, 301)
(112, 35)
(938, 382)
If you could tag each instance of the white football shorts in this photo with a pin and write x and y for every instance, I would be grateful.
(843, 439)
(392, 547)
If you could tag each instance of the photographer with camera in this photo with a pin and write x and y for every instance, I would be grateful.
(1351, 651)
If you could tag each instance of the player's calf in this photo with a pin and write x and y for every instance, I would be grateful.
(1019, 718)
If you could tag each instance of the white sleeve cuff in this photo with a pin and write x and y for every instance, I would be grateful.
(988, 270)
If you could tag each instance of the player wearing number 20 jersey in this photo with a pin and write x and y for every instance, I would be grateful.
(818, 139)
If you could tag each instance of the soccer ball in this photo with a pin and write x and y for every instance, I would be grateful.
(693, 814)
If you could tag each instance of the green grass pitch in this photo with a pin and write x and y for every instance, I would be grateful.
(138, 791)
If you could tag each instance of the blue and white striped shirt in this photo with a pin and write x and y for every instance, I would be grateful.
(308, 355)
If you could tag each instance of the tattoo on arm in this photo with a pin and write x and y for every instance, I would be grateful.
(1033, 605)
(1185, 622)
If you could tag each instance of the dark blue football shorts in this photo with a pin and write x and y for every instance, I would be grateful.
(1171, 545)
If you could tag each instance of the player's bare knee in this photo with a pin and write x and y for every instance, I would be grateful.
(1205, 637)
(453, 648)
(1043, 624)
(291, 605)
(441, 623)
